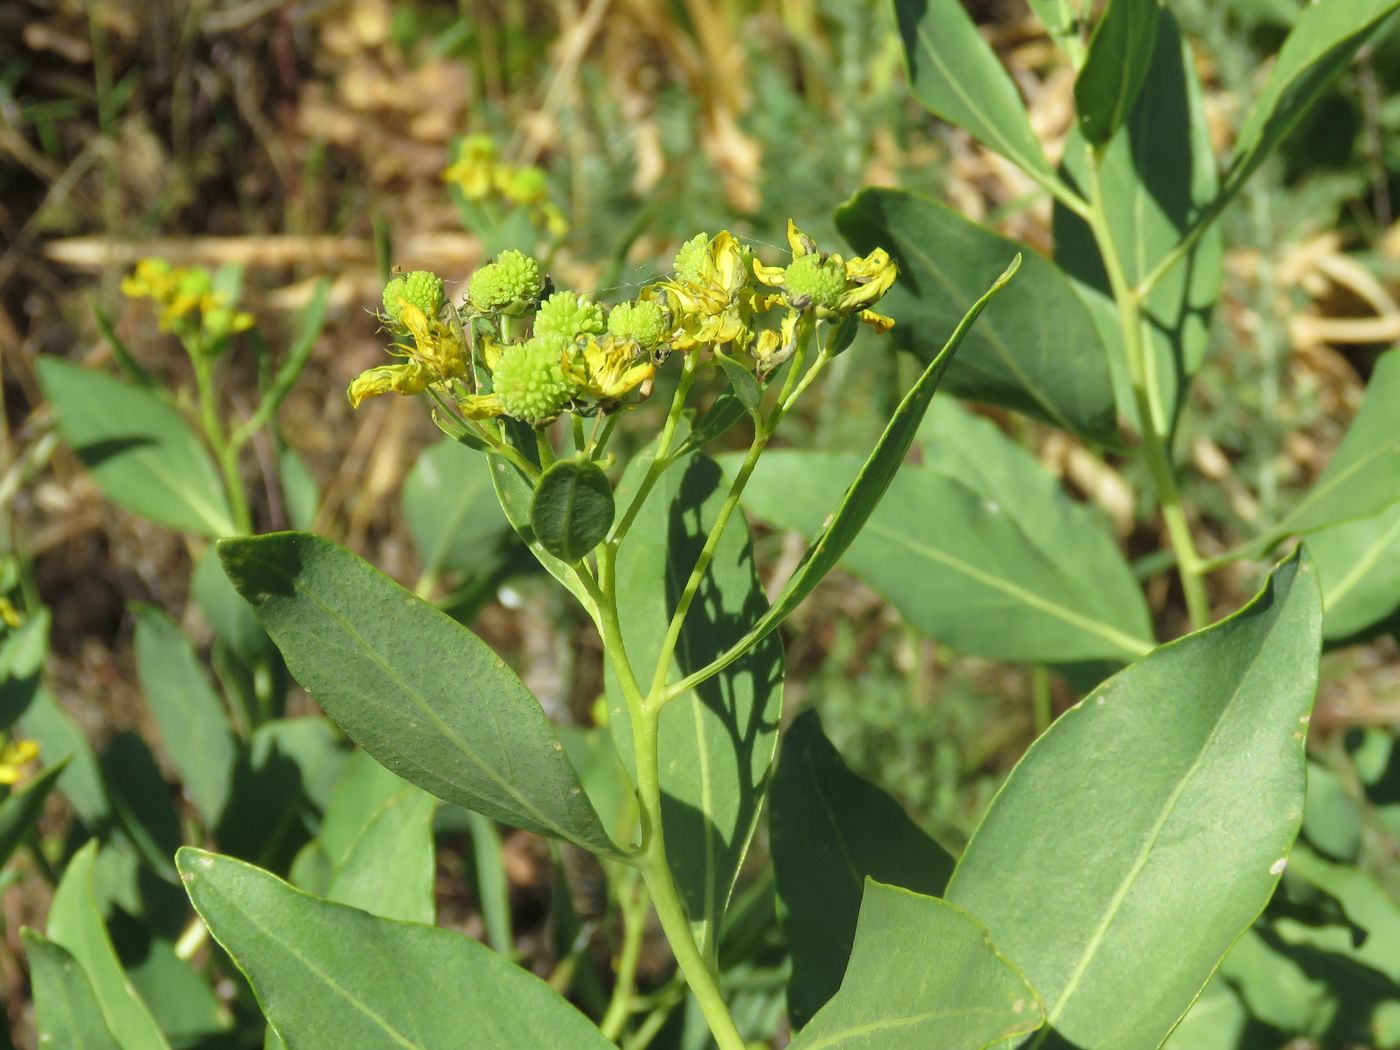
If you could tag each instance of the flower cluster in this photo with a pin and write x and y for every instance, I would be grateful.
(481, 175)
(14, 756)
(515, 350)
(188, 304)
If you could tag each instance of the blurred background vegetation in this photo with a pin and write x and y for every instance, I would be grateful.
(308, 139)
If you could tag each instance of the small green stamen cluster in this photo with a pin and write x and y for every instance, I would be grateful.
(529, 379)
(646, 322)
(421, 288)
(821, 281)
(569, 315)
(690, 259)
(510, 285)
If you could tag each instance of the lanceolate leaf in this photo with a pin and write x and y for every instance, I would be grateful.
(923, 974)
(139, 449)
(76, 924)
(66, 1011)
(1359, 564)
(1193, 761)
(865, 493)
(1011, 573)
(1117, 64)
(1363, 477)
(1037, 350)
(1157, 177)
(413, 687)
(327, 975)
(715, 745)
(192, 719)
(830, 831)
(956, 76)
(1322, 43)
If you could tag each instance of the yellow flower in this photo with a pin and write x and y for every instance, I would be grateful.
(14, 756)
(435, 356)
(867, 279)
(475, 171)
(9, 615)
(775, 347)
(607, 369)
(714, 301)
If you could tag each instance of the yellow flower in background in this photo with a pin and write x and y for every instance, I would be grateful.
(14, 756)
(479, 173)
(9, 615)
(474, 171)
(188, 304)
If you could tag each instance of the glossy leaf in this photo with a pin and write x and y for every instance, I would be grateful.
(956, 75)
(331, 976)
(1191, 763)
(572, 509)
(1011, 569)
(451, 509)
(75, 923)
(1363, 476)
(1323, 41)
(1157, 176)
(22, 807)
(413, 687)
(66, 1011)
(1116, 67)
(716, 745)
(923, 973)
(1359, 564)
(140, 450)
(830, 830)
(1037, 350)
(859, 501)
(193, 723)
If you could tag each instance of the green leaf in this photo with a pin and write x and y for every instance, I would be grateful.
(716, 745)
(572, 509)
(724, 411)
(76, 924)
(21, 809)
(66, 1011)
(327, 975)
(1363, 476)
(742, 381)
(1322, 43)
(923, 973)
(1216, 1021)
(192, 721)
(228, 614)
(956, 75)
(378, 838)
(299, 491)
(141, 800)
(139, 449)
(1120, 52)
(1148, 827)
(180, 998)
(1359, 564)
(451, 510)
(1038, 351)
(860, 500)
(60, 742)
(413, 687)
(22, 653)
(1010, 570)
(1157, 177)
(830, 830)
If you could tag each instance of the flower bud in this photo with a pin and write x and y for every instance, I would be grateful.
(421, 288)
(569, 316)
(530, 382)
(509, 285)
(645, 321)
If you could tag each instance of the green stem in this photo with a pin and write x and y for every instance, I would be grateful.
(1142, 374)
(660, 461)
(634, 902)
(225, 453)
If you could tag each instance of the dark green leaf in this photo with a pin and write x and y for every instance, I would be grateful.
(725, 411)
(742, 381)
(1148, 827)
(923, 974)
(830, 831)
(956, 76)
(1037, 350)
(331, 976)
(139, 449)
(141, 800)
(21, 809)
(716, 745)
(451, 510)
(572, 509)
(1323, 41)
(1157, 176)
(412, 686)
(1120, 52)
(1363, 476)
(66, 1012)
(76, 924)
(191, 718)
(1359, 564)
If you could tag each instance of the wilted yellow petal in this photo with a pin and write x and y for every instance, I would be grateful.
(407, 378)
